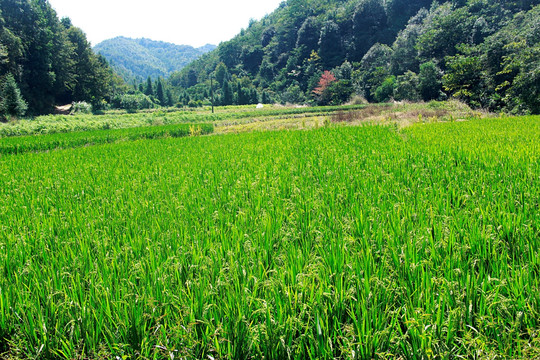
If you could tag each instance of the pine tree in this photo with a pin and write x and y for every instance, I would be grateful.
(12, 103)
(169, 98)
(184, 98)
(241, 96)
(149, 90)
(266, 99)
(227, 97)
(160, 95)
(222, 73)
(253, 96)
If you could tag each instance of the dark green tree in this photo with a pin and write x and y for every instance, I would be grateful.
(293, 95)
(266, 98)
(191, 78)
(369, 22)
(251, 58)
(227, 94)
(242, 95)
(429, 81)
(266, 71)
(406, 87)
(464, 79)
(222, 73)
(340, 92)
(149, 88)
(447, 29)
(267, 36)
(184, 98)
(169, 97)
(12, 104)
(330, 45)
(400, 11)
(405, 55)
(385, 91)
(160, 94)
(229, 53)
(253, 96)
(308, 37)
(374, 69)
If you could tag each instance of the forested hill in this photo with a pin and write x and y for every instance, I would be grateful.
(484, 52)
(137, 59)
(46, 61)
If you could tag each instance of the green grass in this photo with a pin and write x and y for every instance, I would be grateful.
(341, 242)
(22, 144)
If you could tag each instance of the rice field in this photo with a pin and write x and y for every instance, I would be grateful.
(35, 143)
(348, 242)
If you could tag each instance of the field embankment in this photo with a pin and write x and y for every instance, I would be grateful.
(52, 124)
(229, 119)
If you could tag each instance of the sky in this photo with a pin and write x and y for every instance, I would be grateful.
(182, 22)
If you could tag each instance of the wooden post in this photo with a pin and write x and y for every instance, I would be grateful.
(212, 90)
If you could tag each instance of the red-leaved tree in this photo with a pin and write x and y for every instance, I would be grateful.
(326, 79)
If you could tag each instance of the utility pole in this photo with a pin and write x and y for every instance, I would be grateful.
(212, 90)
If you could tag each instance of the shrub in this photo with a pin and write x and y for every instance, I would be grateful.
(81, 107)
(195, 103)
(133, 102)
(340, 92)
(293, 95)
(385, 91)
(100, 106)
(406, 87)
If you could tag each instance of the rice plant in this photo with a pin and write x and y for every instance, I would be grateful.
(21, 144)
(340, 242)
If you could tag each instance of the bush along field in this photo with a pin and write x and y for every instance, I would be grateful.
(368, 242)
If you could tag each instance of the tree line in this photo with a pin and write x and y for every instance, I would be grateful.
(483, 52)
(46, 61)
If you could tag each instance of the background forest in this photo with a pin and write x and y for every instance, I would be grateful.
(45, 61)
(483, 52)
(136, 59)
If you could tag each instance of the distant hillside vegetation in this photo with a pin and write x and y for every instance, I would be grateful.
(483, 52)
(136, 59)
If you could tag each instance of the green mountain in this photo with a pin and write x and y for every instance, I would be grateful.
(137, 59)
(484, 52)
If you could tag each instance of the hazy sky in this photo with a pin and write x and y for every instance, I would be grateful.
(183, 22)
